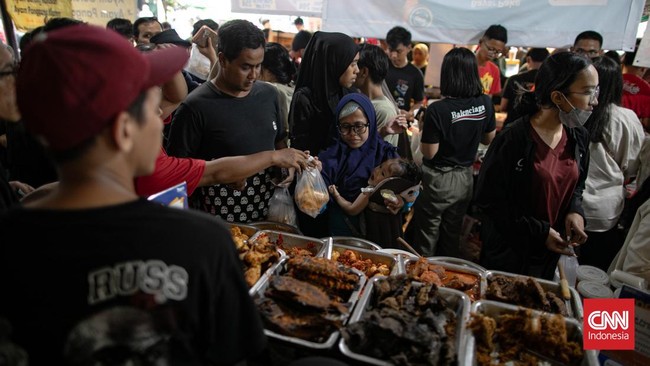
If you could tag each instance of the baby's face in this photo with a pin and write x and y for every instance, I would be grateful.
(385, 170)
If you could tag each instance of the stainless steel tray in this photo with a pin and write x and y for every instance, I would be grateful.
(276, 226)
(331, 340)
(495, 308)
(245, 229)
(576, 310)
(482, 286)
(251, 232)
(374, 256)
(457, 300)
(318, 247)
(355, 242)
(459, 262)
(271, 270)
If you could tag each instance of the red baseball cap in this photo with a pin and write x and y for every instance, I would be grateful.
(74, 81)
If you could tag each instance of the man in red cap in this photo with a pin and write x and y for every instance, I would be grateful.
(133, 282)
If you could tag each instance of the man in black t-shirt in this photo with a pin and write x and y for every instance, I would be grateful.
(130, 282)
(519, 83)
(232, 115)
(404, 80)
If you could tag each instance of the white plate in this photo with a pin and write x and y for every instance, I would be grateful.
(396, 252)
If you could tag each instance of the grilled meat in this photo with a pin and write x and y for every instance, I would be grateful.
(281, 319)
(290, 289)
(323, 273)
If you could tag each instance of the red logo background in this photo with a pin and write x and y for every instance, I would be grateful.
(603, 324)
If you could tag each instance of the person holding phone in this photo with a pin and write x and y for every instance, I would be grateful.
(204, 43)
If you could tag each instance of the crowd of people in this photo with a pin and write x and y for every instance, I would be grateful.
(95, 120)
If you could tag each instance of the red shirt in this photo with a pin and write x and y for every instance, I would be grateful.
(169, 172)
(555, 175)
(636, 95)
(490, 78)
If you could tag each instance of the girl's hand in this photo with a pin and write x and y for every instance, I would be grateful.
(333, 191)
(575, 228)
(555, 243)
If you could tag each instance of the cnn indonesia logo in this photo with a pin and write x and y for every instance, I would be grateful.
(608, 324)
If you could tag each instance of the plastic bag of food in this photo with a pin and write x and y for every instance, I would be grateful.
(281, 207)
(311, 192)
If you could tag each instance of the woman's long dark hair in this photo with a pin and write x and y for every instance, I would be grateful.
(610, 81)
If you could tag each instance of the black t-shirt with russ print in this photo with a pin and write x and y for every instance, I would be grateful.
(131, 282)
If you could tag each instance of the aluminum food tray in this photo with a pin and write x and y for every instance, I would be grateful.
(495, 308)
(374, 256)
(331, 340)
(459, 262)
(576, 304)
(251, 232)
(276, 226)
(355, 242)
(245, 229)
(482, 276)
(457, 299)
(318, 247)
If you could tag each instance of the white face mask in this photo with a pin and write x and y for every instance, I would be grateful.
(574, 118)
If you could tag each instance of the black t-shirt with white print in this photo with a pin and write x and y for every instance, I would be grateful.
(209, 125)
(458, 126)
(130, 282)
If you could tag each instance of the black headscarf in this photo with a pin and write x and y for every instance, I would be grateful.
(326, 58)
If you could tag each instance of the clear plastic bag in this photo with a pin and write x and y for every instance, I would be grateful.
(311, 192)
(281, 207)
(570, 267)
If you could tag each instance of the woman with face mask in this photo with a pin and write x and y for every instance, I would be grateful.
(531, 181)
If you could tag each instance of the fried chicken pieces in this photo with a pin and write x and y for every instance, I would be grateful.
(424, 271)
(256, 257)
(367, 266)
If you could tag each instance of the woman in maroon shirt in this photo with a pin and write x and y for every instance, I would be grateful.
(531, 181)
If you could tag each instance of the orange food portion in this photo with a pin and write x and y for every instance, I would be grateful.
(427, 272)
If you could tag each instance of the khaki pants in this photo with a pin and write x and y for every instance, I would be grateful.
(439, 210)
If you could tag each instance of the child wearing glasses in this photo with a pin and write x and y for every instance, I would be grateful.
(349, 162)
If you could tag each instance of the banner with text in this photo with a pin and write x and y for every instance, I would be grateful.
(533, 23)
(29, 14)
(310, 8)
(99, 12)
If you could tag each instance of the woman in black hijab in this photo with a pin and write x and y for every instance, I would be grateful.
(328, 70)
